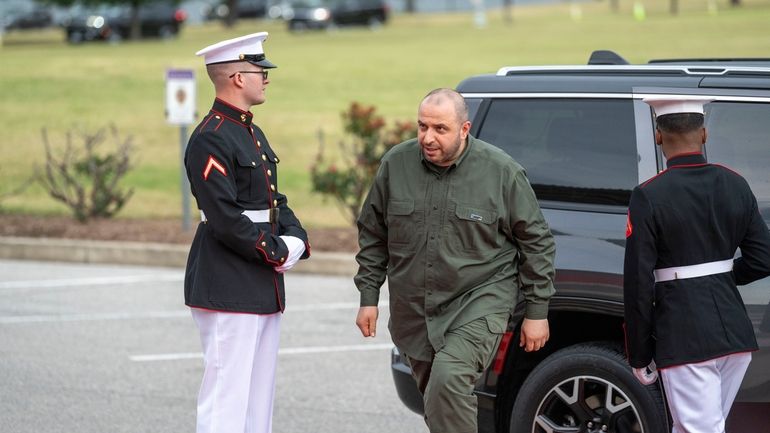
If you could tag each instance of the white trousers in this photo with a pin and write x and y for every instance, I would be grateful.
(700, 395)
(239, 357)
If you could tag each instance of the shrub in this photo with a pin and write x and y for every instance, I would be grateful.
(84, 179)
(349, 182)
(8, 191)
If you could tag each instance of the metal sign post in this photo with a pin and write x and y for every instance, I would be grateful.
(180, 110)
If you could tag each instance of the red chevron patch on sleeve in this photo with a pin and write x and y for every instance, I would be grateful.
(629, 227)
(216, 165)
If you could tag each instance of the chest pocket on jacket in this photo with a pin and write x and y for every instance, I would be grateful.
(473, 228)
(404, 223)
(247, 172)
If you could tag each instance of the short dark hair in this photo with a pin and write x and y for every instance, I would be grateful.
(679, 123)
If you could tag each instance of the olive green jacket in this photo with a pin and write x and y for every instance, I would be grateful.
(455, 244)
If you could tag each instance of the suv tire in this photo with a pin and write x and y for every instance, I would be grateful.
(568, 392)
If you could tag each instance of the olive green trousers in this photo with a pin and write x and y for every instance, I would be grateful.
(447, 382)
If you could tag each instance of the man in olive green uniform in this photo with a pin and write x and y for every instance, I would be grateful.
(455, 226)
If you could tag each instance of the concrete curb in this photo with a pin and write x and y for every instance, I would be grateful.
(145, 254)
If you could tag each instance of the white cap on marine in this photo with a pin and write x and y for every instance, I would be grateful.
(674, 104)
(242, 49)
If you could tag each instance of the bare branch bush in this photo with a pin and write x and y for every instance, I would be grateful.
(13, 191)
(84, 178)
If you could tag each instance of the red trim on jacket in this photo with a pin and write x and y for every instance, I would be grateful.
(226, 117)
(264, 253)
(223, 102)
(727, 168)
(211, 310)
(203, 125)
(277, 292)
(652, 178)
(671, 168)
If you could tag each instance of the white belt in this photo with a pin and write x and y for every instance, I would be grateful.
(692, 271)
(256, 216)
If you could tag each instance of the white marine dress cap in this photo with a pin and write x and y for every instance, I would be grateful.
(242, 49)
(677, 104)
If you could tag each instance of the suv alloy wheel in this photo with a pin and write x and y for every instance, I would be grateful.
(587, 388)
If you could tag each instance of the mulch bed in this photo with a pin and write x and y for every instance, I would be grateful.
(342, 239)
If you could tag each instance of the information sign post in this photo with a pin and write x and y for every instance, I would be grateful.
(180, 110)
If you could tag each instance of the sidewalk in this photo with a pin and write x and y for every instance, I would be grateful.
(145, 254)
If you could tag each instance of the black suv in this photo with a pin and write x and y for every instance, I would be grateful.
(323, 14)
(585, 137)
(245, 9)
(157, 18)
(16, 15)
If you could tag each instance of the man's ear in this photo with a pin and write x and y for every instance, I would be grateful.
(465, 129)
(239, 81)
(704, 135)
(658, 137)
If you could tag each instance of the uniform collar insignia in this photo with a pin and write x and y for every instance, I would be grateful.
(232, 112)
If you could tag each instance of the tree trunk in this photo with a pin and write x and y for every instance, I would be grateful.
(135, 32)
(674, 7)
(410, 6)
(508, 11)
(232, 13)
(735, 2)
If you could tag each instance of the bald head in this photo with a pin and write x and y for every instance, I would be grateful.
(443, 96)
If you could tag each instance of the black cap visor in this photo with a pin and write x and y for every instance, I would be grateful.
(259, 60)
(254, 59)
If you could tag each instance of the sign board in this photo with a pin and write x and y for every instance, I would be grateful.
(180, 96)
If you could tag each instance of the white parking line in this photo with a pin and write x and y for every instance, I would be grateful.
(48, 318)
(92, 281)
(285, 351)
(175, 314)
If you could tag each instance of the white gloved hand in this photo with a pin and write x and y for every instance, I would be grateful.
(296, 249)
(646, 375)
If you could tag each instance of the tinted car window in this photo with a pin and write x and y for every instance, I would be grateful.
(473, 107)
(739, 138)
(310, 3)
(574, 150)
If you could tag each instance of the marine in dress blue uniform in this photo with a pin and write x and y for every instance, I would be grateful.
(682, 306)
(248, 237)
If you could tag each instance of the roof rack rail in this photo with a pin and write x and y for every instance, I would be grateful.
(635, 69)
(759, 61)
(606, 57)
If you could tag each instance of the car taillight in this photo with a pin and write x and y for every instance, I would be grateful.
(502, 350)
(180, 15)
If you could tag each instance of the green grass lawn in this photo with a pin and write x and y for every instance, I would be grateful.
(46, 83)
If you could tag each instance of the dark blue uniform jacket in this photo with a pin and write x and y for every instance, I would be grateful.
(691, 213)
(232, 168)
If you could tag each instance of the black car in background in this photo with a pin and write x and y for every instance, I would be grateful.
(38, 18)
(586, 139)
(244, 9)
(162, 19)
(23, 15)
(324, 14)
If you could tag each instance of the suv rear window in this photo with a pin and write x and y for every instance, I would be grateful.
(574, 150)
(739, 138)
